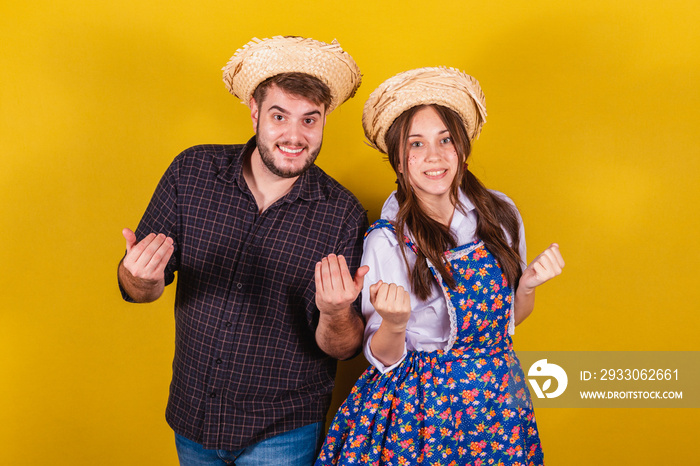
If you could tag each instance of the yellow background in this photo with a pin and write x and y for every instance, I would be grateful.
(592, 130)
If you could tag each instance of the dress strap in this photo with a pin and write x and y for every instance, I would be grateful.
(384, 223)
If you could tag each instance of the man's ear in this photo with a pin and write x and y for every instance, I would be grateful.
(254, 113)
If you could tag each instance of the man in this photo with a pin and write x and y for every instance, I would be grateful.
(264, 244)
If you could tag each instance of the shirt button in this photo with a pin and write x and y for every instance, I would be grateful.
(212, 395)
(229, 324)
(239, 286)
(219, 361)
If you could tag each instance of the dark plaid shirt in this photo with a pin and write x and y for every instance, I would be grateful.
(246, 363)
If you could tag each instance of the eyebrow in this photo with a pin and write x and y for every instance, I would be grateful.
(286, 112)
(420, 135)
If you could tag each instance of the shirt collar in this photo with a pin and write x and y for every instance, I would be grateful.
(464, 206)
(230, 168)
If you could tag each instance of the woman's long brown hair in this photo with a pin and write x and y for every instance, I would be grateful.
(432, 238)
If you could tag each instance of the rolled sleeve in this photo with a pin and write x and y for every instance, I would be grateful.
(161, 216)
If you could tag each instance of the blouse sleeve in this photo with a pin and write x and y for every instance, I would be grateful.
(522, 250)
(383, 256)
(428, 328)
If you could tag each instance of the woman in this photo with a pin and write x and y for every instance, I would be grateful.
(443, 294)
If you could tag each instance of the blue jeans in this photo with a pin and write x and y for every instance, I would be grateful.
(297, 447)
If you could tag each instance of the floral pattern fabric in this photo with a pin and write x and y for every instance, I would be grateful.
(465, 405)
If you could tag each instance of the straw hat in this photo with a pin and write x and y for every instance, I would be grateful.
(444, 86)
(262, 59)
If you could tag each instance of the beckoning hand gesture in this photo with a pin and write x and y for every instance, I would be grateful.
(545, 267)
(146, 260)
(142, 271)
(336, 289)
(391, 302)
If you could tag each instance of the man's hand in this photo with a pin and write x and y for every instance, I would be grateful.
(336, 289)
(142, 271)
(340, 328)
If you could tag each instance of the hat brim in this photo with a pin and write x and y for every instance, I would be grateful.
(259, 60)
(444, 86)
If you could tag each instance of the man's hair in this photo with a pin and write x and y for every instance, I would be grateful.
(297, 84)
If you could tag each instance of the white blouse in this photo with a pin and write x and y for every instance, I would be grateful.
(428, 327)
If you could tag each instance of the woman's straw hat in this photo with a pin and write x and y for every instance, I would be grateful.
(444, 86)
(262, 59)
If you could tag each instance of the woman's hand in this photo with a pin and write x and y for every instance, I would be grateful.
(545, 267)
(391, 302)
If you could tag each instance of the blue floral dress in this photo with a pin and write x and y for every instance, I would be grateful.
(465, 405)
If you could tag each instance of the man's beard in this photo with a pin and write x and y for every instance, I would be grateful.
(269, 161)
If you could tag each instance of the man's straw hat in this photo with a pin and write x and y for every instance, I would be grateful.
(262, 59)
(448, 87)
